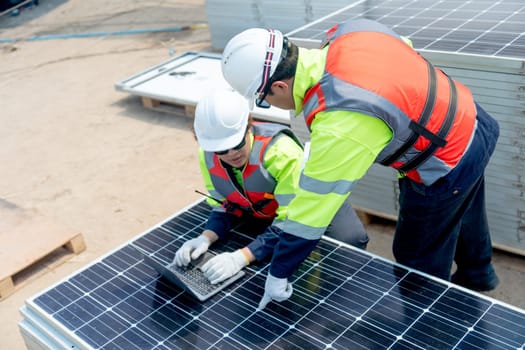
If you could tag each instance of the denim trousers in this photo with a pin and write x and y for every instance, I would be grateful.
(447, 221)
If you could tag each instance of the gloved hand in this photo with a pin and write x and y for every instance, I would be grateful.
(223, 266)
(190, 250)
(277, 289)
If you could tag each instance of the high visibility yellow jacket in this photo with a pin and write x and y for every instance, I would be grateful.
(344, 144)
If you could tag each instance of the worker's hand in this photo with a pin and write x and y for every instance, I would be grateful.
(191, 250)
(277, 289)
(223, 266)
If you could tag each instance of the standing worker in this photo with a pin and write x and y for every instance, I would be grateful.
(368, 97)
(253, 170)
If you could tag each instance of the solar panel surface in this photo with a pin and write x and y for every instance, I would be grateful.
(481, 27)
(343, 299)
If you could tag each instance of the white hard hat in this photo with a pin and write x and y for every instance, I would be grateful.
(221, 119)
(248, 57)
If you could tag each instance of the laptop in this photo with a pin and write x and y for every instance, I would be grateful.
(191, 278)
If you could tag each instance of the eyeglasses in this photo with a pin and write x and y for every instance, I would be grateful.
(267, 81)
(236, 148)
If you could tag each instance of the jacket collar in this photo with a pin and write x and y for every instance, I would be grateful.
(310, 68)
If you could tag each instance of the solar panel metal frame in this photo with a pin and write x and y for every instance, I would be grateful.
(343, 298)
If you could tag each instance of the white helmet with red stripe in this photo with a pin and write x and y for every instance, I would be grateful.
(250, 59)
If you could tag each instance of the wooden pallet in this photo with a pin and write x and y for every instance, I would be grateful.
(27, 238)
(368, 215)
(168, 107)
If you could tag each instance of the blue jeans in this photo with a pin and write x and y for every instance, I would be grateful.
(447, 221)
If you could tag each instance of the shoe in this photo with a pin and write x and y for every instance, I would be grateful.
(480, 284)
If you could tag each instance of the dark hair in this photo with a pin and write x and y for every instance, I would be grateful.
(286, 69)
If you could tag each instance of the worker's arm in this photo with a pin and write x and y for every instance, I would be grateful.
(283, 160)
(343, 147)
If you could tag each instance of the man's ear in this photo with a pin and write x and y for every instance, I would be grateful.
(280, 87)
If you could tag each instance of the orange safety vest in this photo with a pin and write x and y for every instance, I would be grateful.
(256, 195)
(369, 69)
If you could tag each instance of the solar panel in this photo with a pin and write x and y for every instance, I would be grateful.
(483, 27)
(343, 298)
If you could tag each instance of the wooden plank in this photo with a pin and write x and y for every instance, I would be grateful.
(168, 107)
(367, 215)
(150, 103)
(7, 287)
(76, 244)
(26, 237)
(189, 110)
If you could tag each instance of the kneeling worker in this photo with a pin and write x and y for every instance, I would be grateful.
(253, 168)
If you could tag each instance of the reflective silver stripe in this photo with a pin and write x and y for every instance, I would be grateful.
(323, 187)
(219, 209)
(308, 106)
(284, 199)
(304, 231)
(363, 24)
(215, 194)
(255, 152)
(278, 223)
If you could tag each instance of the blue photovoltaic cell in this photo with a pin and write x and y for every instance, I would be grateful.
(93, 277)
(343, 299)
(482, 27)
(103, 329)
(460, 307)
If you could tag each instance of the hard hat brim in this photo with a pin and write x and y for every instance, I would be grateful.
(222, 145)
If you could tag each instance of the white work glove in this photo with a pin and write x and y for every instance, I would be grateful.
(191, 250)
(277, 289)
(223, 266)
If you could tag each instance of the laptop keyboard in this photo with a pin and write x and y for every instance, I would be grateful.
(191, 277)
(195, 277)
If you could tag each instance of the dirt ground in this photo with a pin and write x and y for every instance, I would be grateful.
(94, 159)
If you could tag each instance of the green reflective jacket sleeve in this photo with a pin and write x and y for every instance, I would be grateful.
(343, 146)
(342, 149)
(283, 160)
